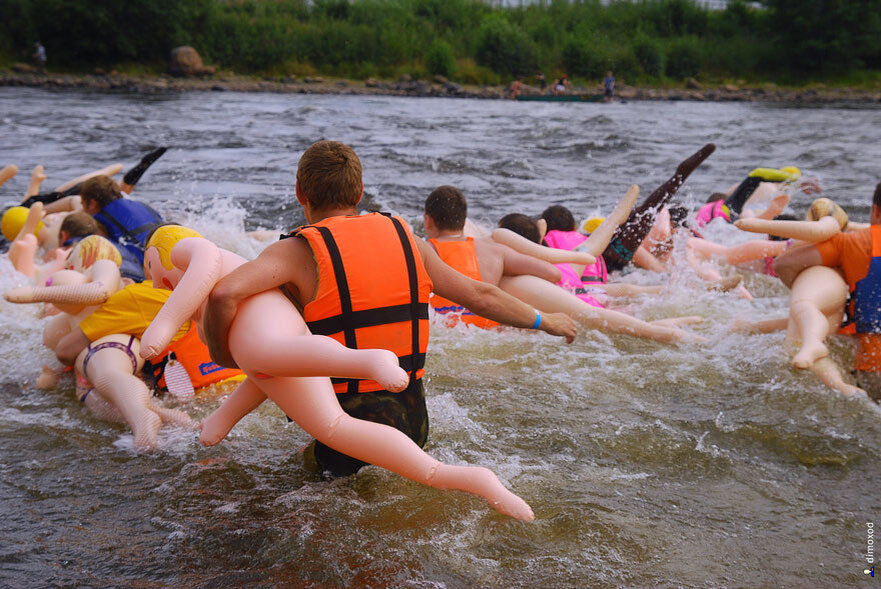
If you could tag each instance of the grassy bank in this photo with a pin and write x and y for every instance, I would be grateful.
(648, 43)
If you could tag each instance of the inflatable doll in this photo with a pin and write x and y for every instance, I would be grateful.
(818, 295)
(270, 342)
(106, 370)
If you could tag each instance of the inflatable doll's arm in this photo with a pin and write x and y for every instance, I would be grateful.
(7, 173)
(105, 282)
(201, 262)
(108, 171)
(522, 245)
(778, 203)
(599, 240)
(810, 231)
(37, 177)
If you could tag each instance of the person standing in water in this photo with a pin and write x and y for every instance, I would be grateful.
(609, 87)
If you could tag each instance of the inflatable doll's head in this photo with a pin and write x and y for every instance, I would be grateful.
(89, 250)
(13, 220)
(157, 257)
(824, 207)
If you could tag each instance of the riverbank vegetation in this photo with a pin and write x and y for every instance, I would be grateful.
(648, 42)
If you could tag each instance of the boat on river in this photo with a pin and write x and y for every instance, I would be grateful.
(561, 97)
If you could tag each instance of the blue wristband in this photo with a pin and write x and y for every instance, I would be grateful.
(537, 320)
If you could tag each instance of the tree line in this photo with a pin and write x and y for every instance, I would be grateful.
(470, 41)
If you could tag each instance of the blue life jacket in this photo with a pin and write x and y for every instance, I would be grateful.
(867, 292)
(128, 223)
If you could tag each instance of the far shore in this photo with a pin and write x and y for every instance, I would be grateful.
(439, 86)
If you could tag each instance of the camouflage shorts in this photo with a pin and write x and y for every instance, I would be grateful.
(404, 411)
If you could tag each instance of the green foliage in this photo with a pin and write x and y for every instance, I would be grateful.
(493, 43)
(505, 48)
(439, 59)
(683, 58)
(649, 56)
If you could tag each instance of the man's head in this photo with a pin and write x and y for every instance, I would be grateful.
(522, 225)
(445, 209)
(559, 218)
(78, 224)
(329, 176)
(98, 192)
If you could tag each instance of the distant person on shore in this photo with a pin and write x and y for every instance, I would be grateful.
(515, 88)
(542, 82)
(40, 56)
(609, 87)
(562, 85)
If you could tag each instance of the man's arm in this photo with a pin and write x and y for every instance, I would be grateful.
(788, 265)
(70, 346)
(283, 262)
(487, 300)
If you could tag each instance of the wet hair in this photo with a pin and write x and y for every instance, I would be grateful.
(717, 196)
(783, 217)
(876, 199)
(559, 218)
(78, 224)
(101, 189)
(522, 225)
(447, 207)
(329, 175)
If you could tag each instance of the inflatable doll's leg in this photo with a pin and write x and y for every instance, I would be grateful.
(830, 373)
(599, 239)
(110, 170)
(313, 405)
(270, 336)
(37, 178)
(550, 298)
(737, 254)
(7, 172)
(816, 303)
(110, 370)
(242, 401)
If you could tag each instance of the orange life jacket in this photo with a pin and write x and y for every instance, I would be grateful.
(194, 357)
(372, 290)
(462, 257)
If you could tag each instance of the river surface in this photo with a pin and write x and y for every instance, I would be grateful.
(646, 464)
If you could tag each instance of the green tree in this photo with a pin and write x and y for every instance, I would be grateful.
(503, 47)
(439, 59)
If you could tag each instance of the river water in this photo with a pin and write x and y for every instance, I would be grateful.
(646, 464)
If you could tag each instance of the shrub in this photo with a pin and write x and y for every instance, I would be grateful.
(683, 58)
(649, 56)
(503, 47)
(439, 59)
(581, 58)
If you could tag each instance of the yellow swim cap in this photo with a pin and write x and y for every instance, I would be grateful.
(90, 250)
(590, 225)
(13, 220)
(165, 238)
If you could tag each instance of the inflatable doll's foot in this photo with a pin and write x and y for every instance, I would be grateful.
(849, 390)
(725, 284)
(809, 353)
(48, 378)
(482, 481)
(386, 371)
(213, 430)
(146, 431)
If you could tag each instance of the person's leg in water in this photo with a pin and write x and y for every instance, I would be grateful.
(38, 176)
(633, 231)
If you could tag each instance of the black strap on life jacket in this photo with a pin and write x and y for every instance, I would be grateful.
(348, 321)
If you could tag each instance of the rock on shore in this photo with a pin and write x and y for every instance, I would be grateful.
(439, 86)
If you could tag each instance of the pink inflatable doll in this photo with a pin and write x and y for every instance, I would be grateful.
(270, 342)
